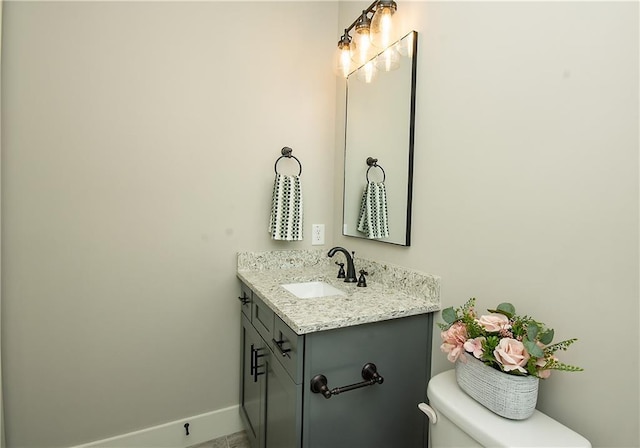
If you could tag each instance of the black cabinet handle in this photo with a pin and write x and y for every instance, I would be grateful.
(244, 300)
(282, 351)
(369, 375)
(254, 363)
(252, 358)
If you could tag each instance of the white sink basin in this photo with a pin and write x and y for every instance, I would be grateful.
(309, 290)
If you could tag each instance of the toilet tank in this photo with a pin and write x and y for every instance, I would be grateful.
(463, 422)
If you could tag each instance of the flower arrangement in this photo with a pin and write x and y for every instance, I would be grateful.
(514, 344)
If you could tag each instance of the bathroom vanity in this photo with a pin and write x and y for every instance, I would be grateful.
(298, 354)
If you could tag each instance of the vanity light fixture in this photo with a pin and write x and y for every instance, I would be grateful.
(373, 28)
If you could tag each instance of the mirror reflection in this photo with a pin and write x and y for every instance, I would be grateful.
(379, 126)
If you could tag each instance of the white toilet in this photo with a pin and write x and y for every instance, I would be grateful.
(457, 420)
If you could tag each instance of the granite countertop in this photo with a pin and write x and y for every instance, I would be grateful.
(392, 291)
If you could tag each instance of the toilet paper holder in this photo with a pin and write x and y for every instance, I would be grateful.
(370, 376)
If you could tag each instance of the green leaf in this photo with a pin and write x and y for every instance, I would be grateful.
(532, 331)
(533, 349)
(507, 309)
(449, 315)
(547, 337)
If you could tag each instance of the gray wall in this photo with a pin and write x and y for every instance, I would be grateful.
(138, 149)
(526, 184)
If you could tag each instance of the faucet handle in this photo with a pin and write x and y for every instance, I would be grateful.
(362, 281)
(341, 273)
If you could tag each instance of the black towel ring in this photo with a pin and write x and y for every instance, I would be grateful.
(286, 152)
(374, 162)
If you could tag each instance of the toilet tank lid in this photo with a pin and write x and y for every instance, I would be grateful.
(489, 429)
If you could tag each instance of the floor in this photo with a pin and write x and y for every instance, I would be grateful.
(235, 440)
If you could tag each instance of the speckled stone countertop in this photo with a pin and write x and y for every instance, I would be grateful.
(392, 291)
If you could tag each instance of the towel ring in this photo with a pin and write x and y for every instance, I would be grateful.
(374, 163)
(286, 152)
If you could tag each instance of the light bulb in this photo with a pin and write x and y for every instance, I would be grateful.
(362, 50)
(388, 60)
(342, 65)
(367, 72)
(382, 23)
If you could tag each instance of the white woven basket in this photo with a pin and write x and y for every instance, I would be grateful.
(510, 396)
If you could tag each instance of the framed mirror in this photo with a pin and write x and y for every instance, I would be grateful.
(379, 139)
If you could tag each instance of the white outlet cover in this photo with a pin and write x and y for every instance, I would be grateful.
(317, 234)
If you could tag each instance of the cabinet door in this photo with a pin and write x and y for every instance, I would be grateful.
(283, 408)
(379, 416)
(252, 390)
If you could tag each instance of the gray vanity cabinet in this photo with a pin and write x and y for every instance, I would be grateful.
(280, 410)
(270, 398)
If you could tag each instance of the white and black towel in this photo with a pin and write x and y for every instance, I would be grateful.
(374, 219)
(286, 209)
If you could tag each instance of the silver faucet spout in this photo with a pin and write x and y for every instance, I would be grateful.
(351, 270)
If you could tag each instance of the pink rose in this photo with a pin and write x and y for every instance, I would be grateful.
(453, 339)
(455, 353)
(474, 346)
(511, 354)
(494, 322)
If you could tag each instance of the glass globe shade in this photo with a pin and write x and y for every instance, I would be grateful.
(362, 50)
(388, 60)
(342, 65)
(382, 24)
(367, 73)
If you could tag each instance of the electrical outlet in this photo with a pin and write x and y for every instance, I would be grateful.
(317, 235)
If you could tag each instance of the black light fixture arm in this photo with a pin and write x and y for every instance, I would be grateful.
(371, 8)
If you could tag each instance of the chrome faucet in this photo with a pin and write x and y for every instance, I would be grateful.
(351, 270)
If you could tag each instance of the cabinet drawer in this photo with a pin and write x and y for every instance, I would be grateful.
(262, 318)
(288, 348)
(245, 300)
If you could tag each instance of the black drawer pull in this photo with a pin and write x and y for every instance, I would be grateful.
(369, 375)
(254, 363)
(283, 351)
(252, 359)
(244, 300)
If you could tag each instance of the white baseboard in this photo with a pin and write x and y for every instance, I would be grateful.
(203, 427)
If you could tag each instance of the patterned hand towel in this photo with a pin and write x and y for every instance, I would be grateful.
(286, 209)
(374, 219)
